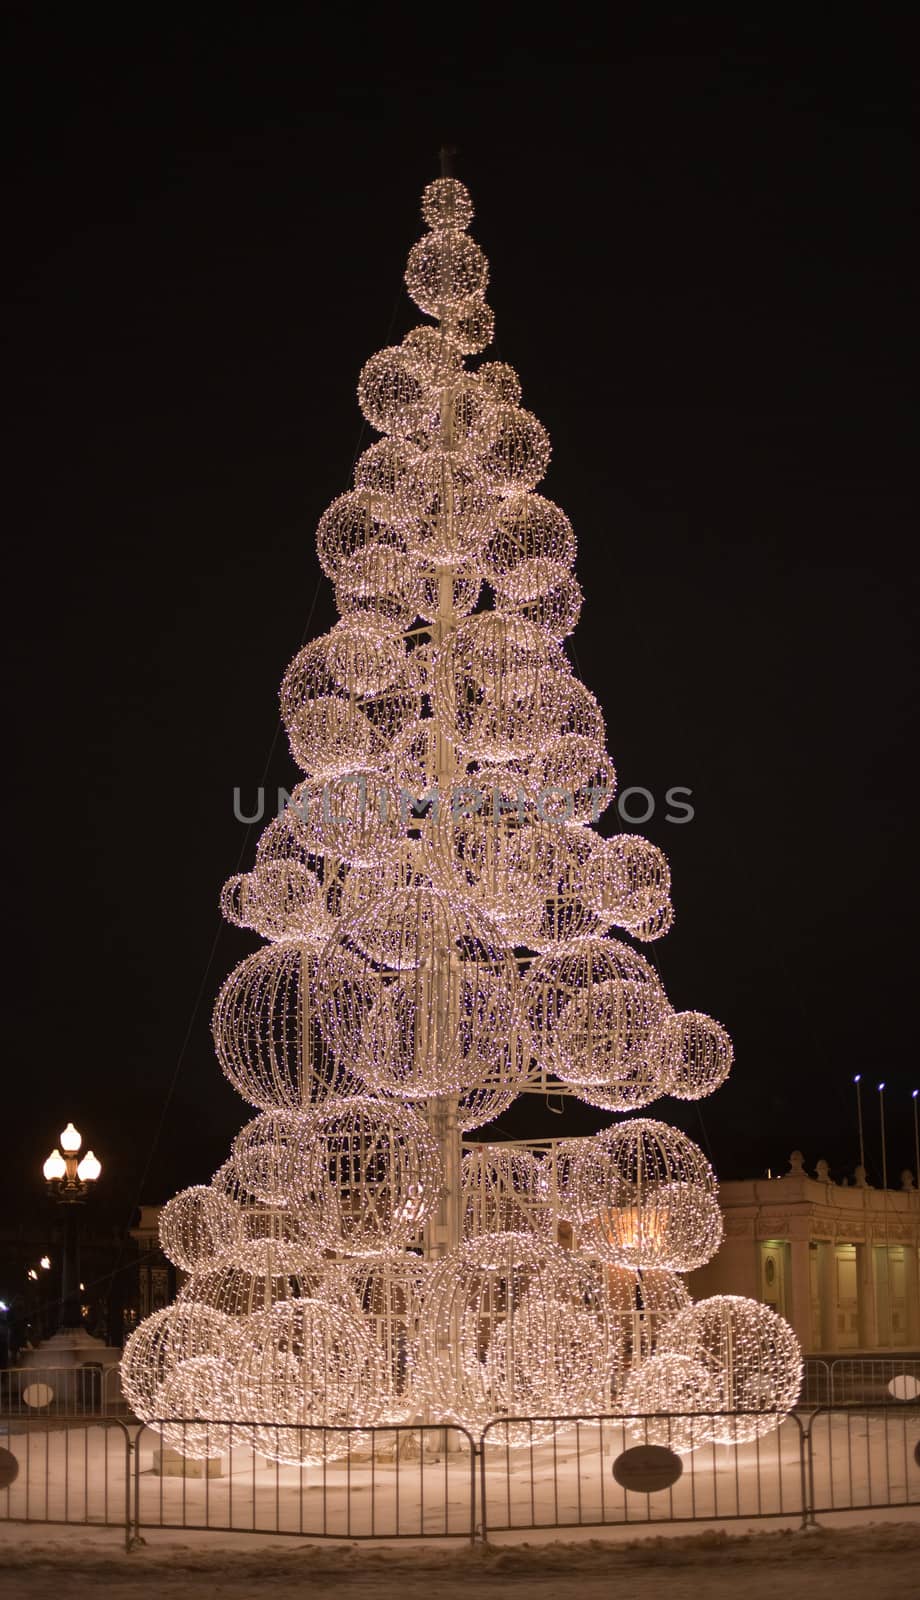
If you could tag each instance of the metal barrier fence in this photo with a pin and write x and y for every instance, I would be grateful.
(343, 1483)
(92, 1390)
(437, 1481)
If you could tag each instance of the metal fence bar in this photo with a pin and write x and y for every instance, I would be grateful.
(67, 1470)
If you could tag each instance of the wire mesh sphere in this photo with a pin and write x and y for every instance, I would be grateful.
(528, 528)
(434, 353)
(632, 880)
(198, 1226)
(593, 1007)
(266, 1032)
(356, 818)
(379, 471)
(392, 395)
(302, 1367)
(561, 859)
(659, 1394)
(505, 1189)
(279, 900)
(446, 203)
(271, 1157)
(419, 992)
(655, 926)
(364, 887)
(379, 584)
(486, 857)
(389, 1289)
(517, 454)
(512, 1326)
(500, 382)
(356, 521)
(457, 590)
(644, 1195)
(696, 1055)
(752, 1356)
(158, 1345)
(374, 1175)
(493, 687)
(344, 697)
(200, 1394)
(445, 270)
(444, 507)
(472, 328)
(574, 780)
(545, 593)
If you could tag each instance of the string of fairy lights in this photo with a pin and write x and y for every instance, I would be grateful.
(444, 929)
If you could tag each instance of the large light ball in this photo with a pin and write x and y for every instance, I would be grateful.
(303, 1367)
(357, 521)
(517, 453)
(200, 1394)
(267, 1036)
(445, 270)
(545, 593)
(644, 1195)
(419, 992)
(444, 508)
(696, 1055)
(593, 1006)
(198, 1227)
(374, 1175)
(392, 395)
(280, 900)
(528, 528)
(513, 1326)
(446, 203)
(160, 1343)
(494, 687)
(752, 1356)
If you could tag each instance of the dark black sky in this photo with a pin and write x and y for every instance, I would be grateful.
(698, 236)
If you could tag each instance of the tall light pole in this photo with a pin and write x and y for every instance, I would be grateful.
(69, 1181)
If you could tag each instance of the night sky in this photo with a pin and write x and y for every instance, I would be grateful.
(698, 240)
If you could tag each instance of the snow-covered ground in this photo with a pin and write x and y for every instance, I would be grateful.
(86, 1474)
(881, 1560)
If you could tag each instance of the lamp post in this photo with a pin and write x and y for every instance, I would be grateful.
(69, 1182)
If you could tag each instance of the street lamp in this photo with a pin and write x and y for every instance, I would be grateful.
(69, 1181)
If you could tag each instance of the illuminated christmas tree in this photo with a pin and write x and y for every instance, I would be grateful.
(446, 929)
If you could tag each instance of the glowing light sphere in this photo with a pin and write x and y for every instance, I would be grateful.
(266, 1032)
(505, 1190)
(501, 382)
(545, 592)
(473, 327)
(379, 584)
(198, 1226)
(444, 508)
(575, 780)
(160, 1343)
(357, 521)
(486, 857)
(389, 1289)
(644, 1195)
(419, 992)
(561, 861)
(631, 881)
(593, 1007)
(494, 1091)
(379, 472)
(751, 1355)
(436, 357)
(356, 818)
(267, 1273)
(445, 270)
(446, 203)
(392, 395)
(458, 588)
(374, 1175)
(517, 454)
(696, 1055)
(199, 1394)
(301, 1367)
(271, 1156)
(675, 1384)
(279, 900)
(512, 1325)
(527, 528)
(492, 689)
